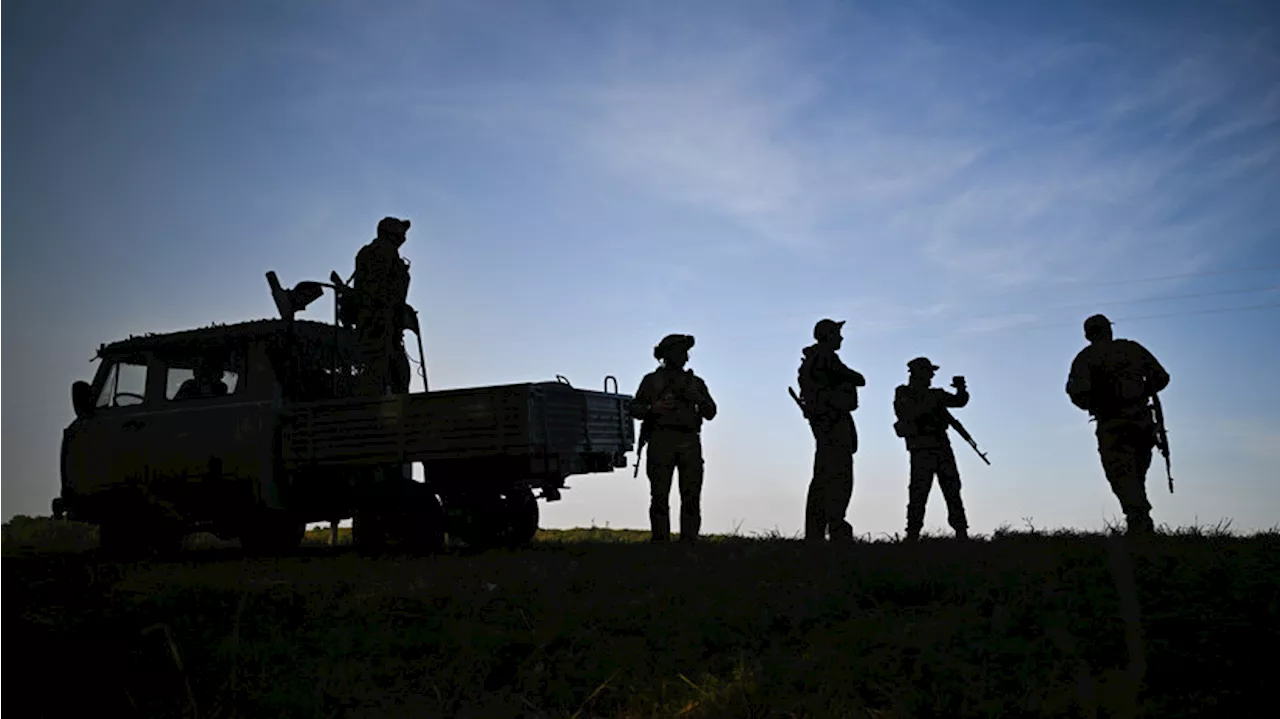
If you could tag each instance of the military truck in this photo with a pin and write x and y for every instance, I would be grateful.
(253, 430)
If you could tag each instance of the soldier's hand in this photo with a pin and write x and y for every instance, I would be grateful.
(666, 404)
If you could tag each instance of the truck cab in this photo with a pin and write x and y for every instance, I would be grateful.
(178, 432)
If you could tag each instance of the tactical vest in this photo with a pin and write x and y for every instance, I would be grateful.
(680, 386)
(837, 397)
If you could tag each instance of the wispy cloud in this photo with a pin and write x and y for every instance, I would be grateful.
(967, 165)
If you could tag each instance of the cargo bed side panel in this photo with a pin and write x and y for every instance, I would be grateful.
(456, 424)
(534, 421)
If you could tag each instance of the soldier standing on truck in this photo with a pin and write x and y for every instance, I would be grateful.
(671, 403)
(922, 420)
(382, 285)
(828, 396)
(1112, 379)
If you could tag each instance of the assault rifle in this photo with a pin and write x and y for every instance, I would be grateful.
(646, 429)
(799, 404)
(959, 428)
(1162, 436)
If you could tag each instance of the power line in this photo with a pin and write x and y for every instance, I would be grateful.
(1199, 312)
(1206, 273)
(1147, 299)
(1222, 310)
(1068, 285)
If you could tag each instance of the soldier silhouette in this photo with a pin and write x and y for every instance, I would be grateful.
(207, 380)
(672, 403)
(382, 285)
(1112, 379)
(923, 418)
(828, 396)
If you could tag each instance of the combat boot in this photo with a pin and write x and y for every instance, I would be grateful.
(1140, 527)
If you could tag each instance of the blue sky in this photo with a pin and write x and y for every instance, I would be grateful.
(966, 181)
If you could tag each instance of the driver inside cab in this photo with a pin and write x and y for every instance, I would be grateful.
(207, 381)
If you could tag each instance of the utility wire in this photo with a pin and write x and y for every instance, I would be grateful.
(1207, 273)
(1114, 319)
(1160, 298)
(1068, 285)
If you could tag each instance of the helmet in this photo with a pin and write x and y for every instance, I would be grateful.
(922, 364)
(672, 342)
(826, 329)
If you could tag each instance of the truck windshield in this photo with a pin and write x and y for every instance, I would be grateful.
(126, 385)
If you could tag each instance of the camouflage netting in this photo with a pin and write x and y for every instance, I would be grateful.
(315, 365)
(304, 353)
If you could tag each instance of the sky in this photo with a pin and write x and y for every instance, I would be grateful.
(961, 180)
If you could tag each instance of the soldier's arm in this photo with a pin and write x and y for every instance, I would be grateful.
(848, 374)
(706, 405)
(947, 399)
(1078, 385)
(899, 406)
(1157, 377)
(642, 405)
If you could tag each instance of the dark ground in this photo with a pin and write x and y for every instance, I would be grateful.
(596, 624)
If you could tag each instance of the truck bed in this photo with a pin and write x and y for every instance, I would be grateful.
(550, 427)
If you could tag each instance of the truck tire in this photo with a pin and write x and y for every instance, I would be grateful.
(270, 534)
(506, 517)
(131, 540)
(415, 527)
(523, 516)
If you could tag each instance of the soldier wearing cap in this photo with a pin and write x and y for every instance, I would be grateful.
(922, 421)
(673, 402)
(382, 284)
(1112, 379)
(829, 395)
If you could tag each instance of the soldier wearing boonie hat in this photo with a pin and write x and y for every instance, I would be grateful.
(672, 402)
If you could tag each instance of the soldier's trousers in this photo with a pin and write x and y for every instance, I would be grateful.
(832, 485)
(672, 450)
(386, 364)
(925, 464)
(1126, 449)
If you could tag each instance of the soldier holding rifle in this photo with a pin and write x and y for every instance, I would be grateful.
(1117, 381)
(923, 418)
(672, 403)
(828, 397)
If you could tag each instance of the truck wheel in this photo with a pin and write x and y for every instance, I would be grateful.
(138, 540)
(522, 512)
(272, 535)
(502, 518)
(417, 527)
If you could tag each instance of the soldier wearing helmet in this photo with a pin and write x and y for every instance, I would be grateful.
(923, 418)
(672, 403)
(1112, 379)
(382, 286)
(829, 395)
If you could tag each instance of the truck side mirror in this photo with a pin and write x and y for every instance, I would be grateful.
(82, 398)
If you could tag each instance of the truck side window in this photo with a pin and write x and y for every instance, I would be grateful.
(126, 384)
(182, 383)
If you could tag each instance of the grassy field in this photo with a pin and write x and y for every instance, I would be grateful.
(599, 623)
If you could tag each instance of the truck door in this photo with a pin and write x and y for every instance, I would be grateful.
(213, 442)
(107, 450)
